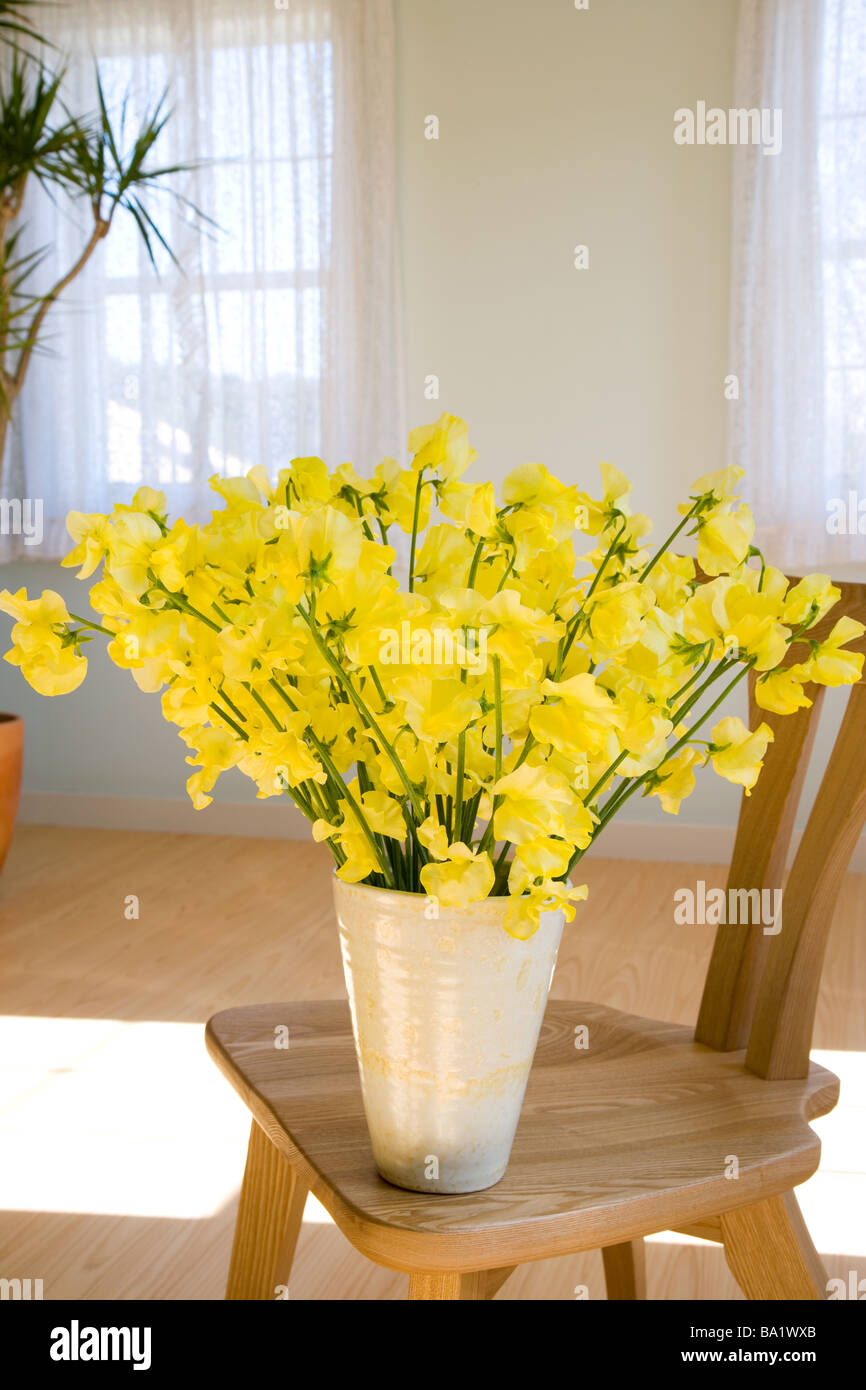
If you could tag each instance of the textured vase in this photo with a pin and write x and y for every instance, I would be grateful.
(446, 1014)
(11, 753)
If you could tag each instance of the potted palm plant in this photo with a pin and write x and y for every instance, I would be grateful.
(92, 161)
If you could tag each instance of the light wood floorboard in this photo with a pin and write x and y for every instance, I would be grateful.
(118, 1192)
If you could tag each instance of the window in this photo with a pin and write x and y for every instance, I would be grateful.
(269, 343)
(842, 154)
(798, 283)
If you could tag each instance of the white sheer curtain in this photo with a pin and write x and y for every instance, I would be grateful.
(282, 336)
(798, 320)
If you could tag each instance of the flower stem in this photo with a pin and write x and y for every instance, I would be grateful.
(672, 537)
(415, 519)
(96, 627)
(621, 796)
(330, 768)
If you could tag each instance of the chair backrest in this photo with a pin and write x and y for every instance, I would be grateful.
(761, 989)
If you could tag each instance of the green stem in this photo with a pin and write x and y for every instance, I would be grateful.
(672, 537)
(605, 776)
(415, 518)
(182, 604)
(365, 713)
(696, 675)
(499, 866)
(573, 626)
(458, 783)
(231, 723)
(487, 837)
(331, 769)
(504, 578)
(262, 705)
(461, 738)
(683, 709)
(96, 627)
(617, 800)
(232, 706)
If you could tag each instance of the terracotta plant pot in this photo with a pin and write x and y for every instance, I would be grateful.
(11, 751)
(446, 1014)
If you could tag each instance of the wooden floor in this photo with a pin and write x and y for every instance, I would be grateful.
(121, 1147)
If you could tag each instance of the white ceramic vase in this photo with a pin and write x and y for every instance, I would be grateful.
(446, 1013)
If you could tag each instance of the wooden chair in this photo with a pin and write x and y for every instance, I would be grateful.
(653, 1127)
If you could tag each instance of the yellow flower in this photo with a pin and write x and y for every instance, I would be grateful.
(48, 658)
(481, 511)
(434, 837)
(751, 623)
(144, 499)
(398, 488)
(516, 632)
(532, 488)
(737, 753)
(466, 877)
(147, 646)
(383, 813)
(815, 591)
(436, 710)
(360, 860)
(307, 481)
(328, 544)
(828, 664)
(615, 618)
(594, 517)
(782, 691)
(720, 486)
(582, 719)
(241, 494)
(644, 733)
(382, 816)
(92, 536)
(724, 538)
(675, 779)
(544, 858)
(670, 580)
(366, 604)
(216, 750)
(50, 671)
(522, 919)
(445, 553)
(280, 758)
(443, 446)
(134, 538)
(537, 801)
(739, 620)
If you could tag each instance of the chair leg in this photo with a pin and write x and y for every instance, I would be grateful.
(770, 1252)
(625, 1269)
(475, 1285)
(496, 1278)
(268, 1222)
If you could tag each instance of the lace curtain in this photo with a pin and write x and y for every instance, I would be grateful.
(281, 336)
(798, 322)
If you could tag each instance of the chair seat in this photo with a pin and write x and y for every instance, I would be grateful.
(632, 1135)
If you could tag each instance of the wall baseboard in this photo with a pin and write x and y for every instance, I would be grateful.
(678, 842)
(682, 843)
(270, 819)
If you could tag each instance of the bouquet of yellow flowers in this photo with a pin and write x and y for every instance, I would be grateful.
(472, 731)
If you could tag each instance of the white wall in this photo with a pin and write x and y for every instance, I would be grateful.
(555, 129)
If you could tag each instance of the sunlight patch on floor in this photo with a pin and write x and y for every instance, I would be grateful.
(116, 1118)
